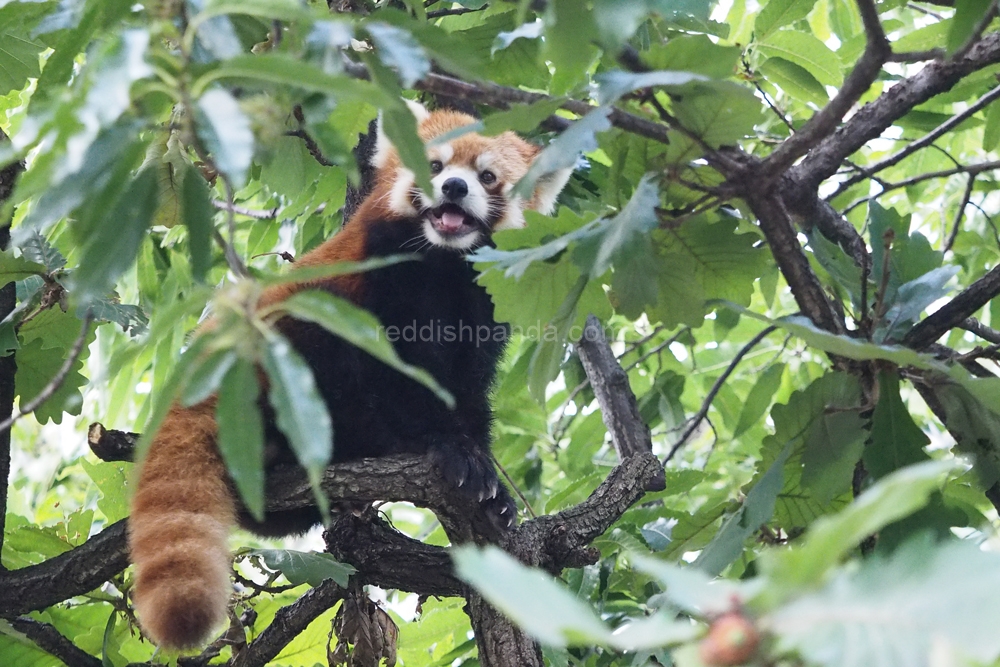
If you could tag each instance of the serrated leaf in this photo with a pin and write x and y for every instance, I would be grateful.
(832, 536)
(756, 510)
(113, 479)
(300, 412)
(568, 44)
(241, 433)
(720, 112)
(556, 617)
(225, 129)
(14, 268)
(36, 367)
(18, 61)
(359, 328)
(113, 246)
(36, 248)
(794, 80)
(303, 567)
(759, 398)
(807, 51)
(197, 214)
(778, 13)
(563, 151)
(613, 84)
(399, 50)
(889, 611)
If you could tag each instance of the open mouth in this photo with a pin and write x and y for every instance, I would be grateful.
(450, 220)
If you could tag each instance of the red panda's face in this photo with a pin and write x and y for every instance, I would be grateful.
(472, 176)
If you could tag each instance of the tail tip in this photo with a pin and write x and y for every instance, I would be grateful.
(182, 624)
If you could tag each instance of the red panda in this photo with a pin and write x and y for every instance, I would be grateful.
(184, 505)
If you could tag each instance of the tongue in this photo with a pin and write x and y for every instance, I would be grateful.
(451, 221)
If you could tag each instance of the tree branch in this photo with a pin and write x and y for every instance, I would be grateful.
(53, 386)
(955, 312)
(986, 333)
(288, 623)
(619, 409)
(50, 640)
(713, 392)
(65, 576)
(8, 367)
(872, 119)
(877, 52)
(922, 142)
(960, 213)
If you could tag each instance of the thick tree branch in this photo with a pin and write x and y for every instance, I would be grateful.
(955, 312)
(50, 640)
(8, 368)
(872, 119)
(502, 97)
(619, 409)
(288, 623)
(860, 79)
(67, 575)
(922, 142)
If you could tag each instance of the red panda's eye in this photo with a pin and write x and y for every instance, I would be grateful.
(436, 166)
(487, 177)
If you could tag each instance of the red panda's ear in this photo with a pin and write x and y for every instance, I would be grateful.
(383, 147)
(547, 190)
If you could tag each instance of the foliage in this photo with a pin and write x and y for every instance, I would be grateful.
(830, 485)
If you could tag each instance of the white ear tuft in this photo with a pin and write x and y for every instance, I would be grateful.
(547, 190)
(383, 147)
(418, 110)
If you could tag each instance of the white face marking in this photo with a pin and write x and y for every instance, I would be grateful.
(513, 217)
(445, 152)
(476, 203)
(465, 242)
(399, 197)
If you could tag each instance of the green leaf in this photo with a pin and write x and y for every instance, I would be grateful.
(778, 13)
(691, 589)
(36, 248)
(756, 510)
(720, 112)
(400, 127)
(113, 480)
(18, 61)
(613, 84)
(399, 50)
(305, 567)
(568, 45)
(286, 10)
(530, 598)
(225, 129)
(833, 446)
(831, 537)
(991, 131)
(795, 80)
(14, 268)
(283, 70)
(206, 377)
(36, 367)
(520, 117)
(113, 246)
(241, 433)
(804, 50)
(925, 601)
(911, 299)
(694, 53)
(359, 328)
(563, 151)
(968, 14)
(635, 222)
(197, 214)
(299, 409)
(759, 398)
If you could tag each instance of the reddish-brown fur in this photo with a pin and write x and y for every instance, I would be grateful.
(183, 508)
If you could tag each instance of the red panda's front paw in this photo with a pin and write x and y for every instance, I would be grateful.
(465, 466)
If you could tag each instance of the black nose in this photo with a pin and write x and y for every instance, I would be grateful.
(455, 188)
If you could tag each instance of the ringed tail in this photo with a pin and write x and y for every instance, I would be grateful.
(182, 513)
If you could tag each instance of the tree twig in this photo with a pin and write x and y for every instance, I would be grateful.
(922, 142)
(258, 214)
(57, 380)
(955, 312)
(960, 213)
(288, 623)
(702, 413)
(973, 325)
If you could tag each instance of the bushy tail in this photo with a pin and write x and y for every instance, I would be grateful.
(182, 512)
